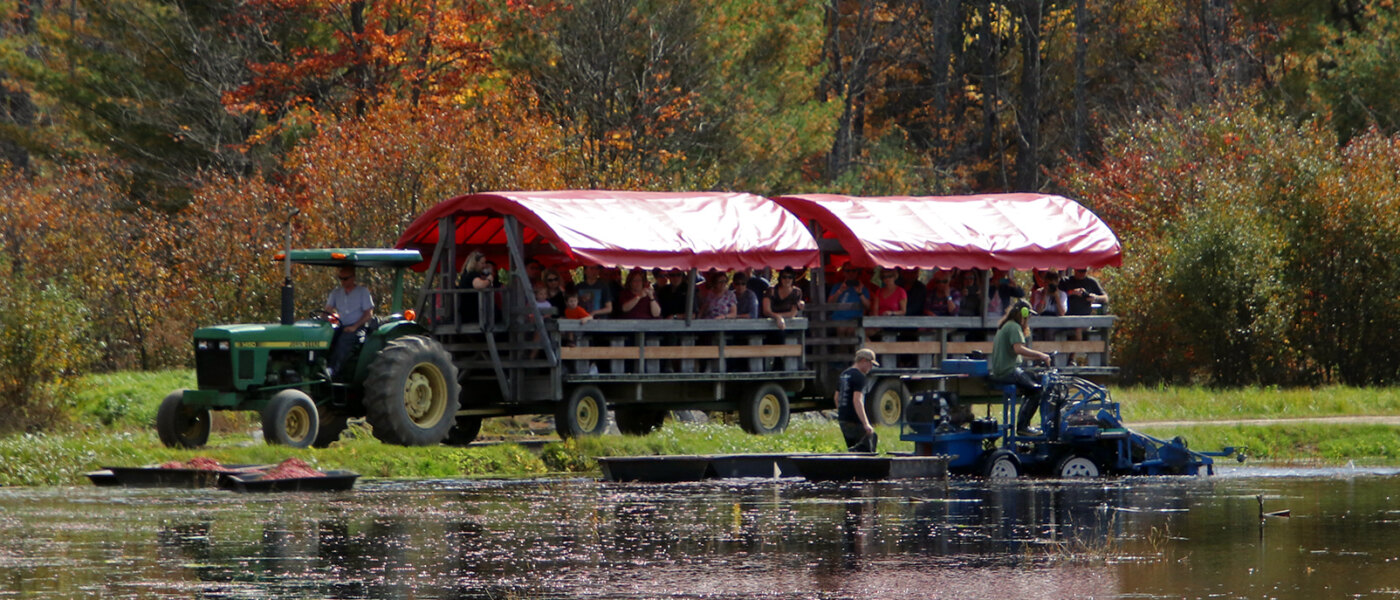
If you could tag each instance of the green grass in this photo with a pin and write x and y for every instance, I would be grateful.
(1203, 404)
(111, 419)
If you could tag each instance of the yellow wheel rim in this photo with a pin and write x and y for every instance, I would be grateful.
(770, 411)
(889, 406)
(586, 413)
(425, 395)
(297, 424)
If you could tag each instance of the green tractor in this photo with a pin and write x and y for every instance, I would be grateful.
(397, 377)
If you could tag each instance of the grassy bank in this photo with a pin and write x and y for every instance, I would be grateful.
(110, 424)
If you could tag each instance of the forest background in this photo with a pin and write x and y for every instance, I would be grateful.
(1245, 151)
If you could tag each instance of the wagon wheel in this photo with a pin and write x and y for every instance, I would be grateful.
(885, 405)
(766, 411)
(584, 413)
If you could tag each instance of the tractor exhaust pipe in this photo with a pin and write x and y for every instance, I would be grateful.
(288, 295)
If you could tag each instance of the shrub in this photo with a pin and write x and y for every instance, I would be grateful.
(44, 345)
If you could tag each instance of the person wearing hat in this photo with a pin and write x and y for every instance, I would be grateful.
(850, 403)
(1004, 365)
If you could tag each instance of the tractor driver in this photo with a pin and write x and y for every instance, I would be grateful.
(1004, 365)
(351, 303)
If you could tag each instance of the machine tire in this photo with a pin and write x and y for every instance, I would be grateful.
(765, 411)
(290, 419)
(638, 421)
(1077, 465)
(584, 413)
(885, 404)
(411, 392)
(180, 425)
(464, 431)
(332, 424)
(1001, 464)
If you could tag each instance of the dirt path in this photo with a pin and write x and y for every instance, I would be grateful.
(1352, 420)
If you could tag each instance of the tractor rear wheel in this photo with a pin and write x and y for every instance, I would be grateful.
(290, 419)
(411, 392)
(180, 425)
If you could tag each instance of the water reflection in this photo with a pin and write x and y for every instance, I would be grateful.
(1144, 538)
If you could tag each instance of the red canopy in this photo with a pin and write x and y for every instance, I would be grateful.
(991, 231)
(626, 229)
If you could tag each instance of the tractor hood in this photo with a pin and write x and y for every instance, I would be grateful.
(303, 335)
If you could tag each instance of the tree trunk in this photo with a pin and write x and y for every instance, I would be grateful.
(1081, 79)
(1028, 142)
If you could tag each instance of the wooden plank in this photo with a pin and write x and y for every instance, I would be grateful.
(1068, 347)
(968, 347)
(905, 347)
(600, 353)
(760, 351)
(692, 352)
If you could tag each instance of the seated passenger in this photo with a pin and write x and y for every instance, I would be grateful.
(970, 287)
(594, 293)
(717, 301)
(851, 290)
(1049, 299)
(915, 289)
(942, 300)
(1004, 289)
(638, 298)
(476, 275)
(784, 301)
(574, 311)
(353, 308)
(671, 294)
(745, 298)
(889, 300)
(554, 290)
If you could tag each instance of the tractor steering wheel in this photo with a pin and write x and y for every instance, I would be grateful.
(321, 314)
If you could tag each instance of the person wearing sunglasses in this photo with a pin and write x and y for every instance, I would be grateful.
(353, 307)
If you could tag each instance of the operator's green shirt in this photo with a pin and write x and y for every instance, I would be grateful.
(1004, 359)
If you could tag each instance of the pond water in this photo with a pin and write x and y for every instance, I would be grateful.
(1122, 538)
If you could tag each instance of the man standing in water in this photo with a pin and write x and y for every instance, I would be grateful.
(850, 404)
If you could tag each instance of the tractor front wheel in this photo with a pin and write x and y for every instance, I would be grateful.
(290, 419)
(180, 425)
(411, 392)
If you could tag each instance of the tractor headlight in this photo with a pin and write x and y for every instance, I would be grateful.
(202, 345)
(223, 345)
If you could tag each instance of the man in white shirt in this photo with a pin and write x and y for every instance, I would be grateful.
(352, 304)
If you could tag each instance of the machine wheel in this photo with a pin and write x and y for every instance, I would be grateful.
(885, 405)
(1076, 465)
(638, 421)
(290, 419)
(180, 425)
(464, 431)
(332, 424)
(584, 413)
(1001, 464)
(411, 392)
(766, 411)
